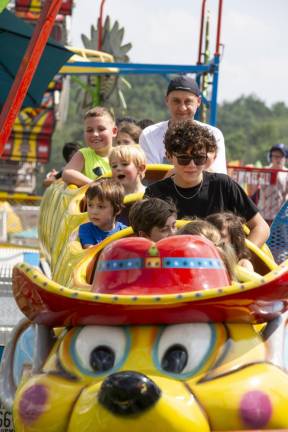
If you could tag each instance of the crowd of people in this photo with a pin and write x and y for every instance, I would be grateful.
(197, 189)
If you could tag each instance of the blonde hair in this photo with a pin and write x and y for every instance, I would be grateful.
(206, 229)
(129, 153)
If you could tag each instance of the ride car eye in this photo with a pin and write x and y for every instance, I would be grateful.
(183, 349)
(175, 359)
(98, 349)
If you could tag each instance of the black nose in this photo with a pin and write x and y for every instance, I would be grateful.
(128, 393)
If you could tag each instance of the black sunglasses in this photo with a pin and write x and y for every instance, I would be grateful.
(185, 159)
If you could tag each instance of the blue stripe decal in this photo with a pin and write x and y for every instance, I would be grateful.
(126, 264)
(168, 262)
(197, 263)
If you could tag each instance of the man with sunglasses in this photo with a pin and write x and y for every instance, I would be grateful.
(197, 192)
(182, 99)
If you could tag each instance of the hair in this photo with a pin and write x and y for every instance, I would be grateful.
(145, 123)
(149, 213)
(107, 189)
(69, 149)
(99, 112)
(131, 129)
(129, 153)
(211, 232)
(204, 228)
(186, 135)
(127, 119)
(234, 225)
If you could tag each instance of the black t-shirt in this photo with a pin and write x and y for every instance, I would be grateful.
(217, 193)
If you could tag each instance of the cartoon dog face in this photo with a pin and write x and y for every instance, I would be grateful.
(185, 377)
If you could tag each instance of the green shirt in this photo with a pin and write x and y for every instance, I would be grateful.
(92, 161)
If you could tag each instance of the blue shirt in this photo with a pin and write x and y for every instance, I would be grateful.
(90, 234)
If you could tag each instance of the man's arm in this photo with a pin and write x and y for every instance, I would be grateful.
(259, 230)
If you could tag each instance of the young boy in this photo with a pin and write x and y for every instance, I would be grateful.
(153, 218)
(128, 165)
(92, 161)
(197, 192)
(104, 203)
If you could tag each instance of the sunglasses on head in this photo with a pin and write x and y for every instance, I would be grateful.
(185, 159)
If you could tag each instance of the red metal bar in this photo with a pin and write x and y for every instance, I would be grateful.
(100, 20)
(27, 69)
(201, 31)
(217, 51)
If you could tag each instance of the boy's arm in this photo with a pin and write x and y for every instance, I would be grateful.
(72, 171)
(259, 230)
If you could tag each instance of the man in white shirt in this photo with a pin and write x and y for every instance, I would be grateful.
(182, 99)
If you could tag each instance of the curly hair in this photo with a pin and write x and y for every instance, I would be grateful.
(188, 135)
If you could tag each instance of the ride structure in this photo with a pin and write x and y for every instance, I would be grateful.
(139, 334)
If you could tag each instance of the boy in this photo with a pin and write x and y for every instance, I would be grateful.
(92, 161)
(153, 218)
(197, 192)
(104, 203)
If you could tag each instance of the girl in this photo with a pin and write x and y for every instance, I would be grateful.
(206, 229)
(128, 165)
(231, 229)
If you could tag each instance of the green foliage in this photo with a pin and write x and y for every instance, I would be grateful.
(250, 128)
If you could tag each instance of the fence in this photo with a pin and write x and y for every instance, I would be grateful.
(265, 186)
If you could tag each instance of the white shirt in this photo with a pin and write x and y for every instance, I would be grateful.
(152, 142)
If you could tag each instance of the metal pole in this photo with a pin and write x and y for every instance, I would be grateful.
(100, 21)
(27, 69)
(201, 31)
(218, 43)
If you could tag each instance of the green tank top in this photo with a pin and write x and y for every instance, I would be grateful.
(92, 161)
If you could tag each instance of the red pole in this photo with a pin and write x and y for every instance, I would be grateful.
(27, 69)
(201, 31)
(217, 52)
(100, 19)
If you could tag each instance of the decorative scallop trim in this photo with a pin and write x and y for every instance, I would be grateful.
(50, 286)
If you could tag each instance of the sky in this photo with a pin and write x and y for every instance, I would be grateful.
(254, 35)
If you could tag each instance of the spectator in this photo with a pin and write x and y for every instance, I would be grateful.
(273, 196)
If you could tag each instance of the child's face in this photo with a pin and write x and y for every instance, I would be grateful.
(99, 133)
(101, 213)
(188, 167)
(124, 172)
(225, 236)
(124, 138)
(167, 230)
(277, 159)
